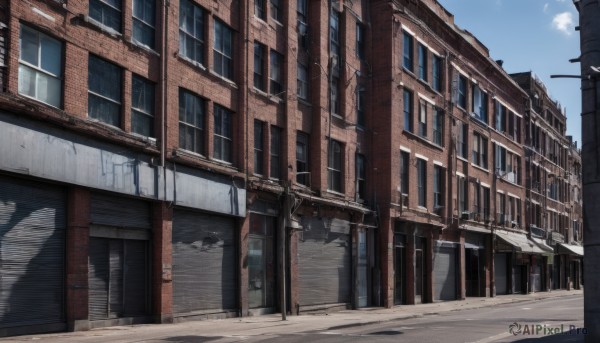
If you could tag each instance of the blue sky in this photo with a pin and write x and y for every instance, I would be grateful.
(536, 35)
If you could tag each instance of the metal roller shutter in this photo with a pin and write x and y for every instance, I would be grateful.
(118, 278)
(500, 273)
(536, 277)
(32, 253)
(325, 265)
(120, 212)
(444, 269)
(204, 262)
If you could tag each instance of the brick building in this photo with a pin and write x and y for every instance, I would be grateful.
(174, 160)
(554, 185)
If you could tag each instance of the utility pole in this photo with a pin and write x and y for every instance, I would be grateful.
(589, 12)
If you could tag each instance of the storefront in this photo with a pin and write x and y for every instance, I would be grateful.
(475, 264)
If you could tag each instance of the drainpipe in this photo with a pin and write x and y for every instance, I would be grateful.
(163, 93)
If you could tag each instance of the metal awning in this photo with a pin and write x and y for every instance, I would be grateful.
(475, 229)
(542, 244)
(520, 242)
(571, 249)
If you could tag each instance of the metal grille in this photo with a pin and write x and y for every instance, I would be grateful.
(120, 212)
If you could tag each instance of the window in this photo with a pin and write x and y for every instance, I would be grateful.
(407, 51)
(404, 163)
(223, 50)
(360, 41)
(361, 177)
(462, 92)
(438, 127)
(422, 182)
(40, 67)
(144, 14)
(438, 187)
(260, 9)
(422, 62)
(104, 91)
(302, 82)
(463, 136)
(334, 94)
(107, 13)
(142, 106)
(302, 9)
(276, 74)
(302, 158)
(501, 204)
(275, 152)
(258, 147)
(223, 134)
(486, 203)
(479, 150)
(276, 12)
(500, 117)
(334, 166)
(423, 119)
(259, 66)
(507, 164)
(360, 106)
(191, 122)
(191, 31)
(479, 104)
(462, 194)
(436, 66)
(408, 110)
(334, 41)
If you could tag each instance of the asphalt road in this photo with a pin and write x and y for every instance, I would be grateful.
(479, 325)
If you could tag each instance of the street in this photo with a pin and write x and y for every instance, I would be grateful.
(479, 320)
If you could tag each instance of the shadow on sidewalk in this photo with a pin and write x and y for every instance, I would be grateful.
(191, 339)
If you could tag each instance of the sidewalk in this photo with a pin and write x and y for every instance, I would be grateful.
(234, 329)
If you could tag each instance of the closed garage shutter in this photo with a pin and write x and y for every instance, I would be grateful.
(32, 248)
(444, 269)
(500, 273)
(324, 265)
(119, 275)
(204, 263)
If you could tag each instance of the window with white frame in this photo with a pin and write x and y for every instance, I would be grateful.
(276, 73)
(436, 69)
(408, 110)
(223, 134)
(480, 150)
(259, 66)
(302, 158)
(462, 140)
(191, 122)
(191, 31)
(276, 11)
(40, 67)
(302, 81)
(407, 51)
(334, 166)
(423, 119)
(422, 182)
(107, 13)
(260, 9)
(422, 62)
(142, 106)
(479, 104)
(144, 21)
(104, 91)
(223, 50)
(438, 186)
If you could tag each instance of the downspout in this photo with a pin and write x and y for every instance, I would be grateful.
(163, 94)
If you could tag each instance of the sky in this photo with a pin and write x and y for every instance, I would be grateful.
(530, 35)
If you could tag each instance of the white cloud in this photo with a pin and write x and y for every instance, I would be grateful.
(563, 22)
(546, 5)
